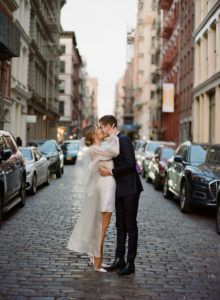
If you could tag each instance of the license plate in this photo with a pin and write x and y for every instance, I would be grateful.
(69, 158)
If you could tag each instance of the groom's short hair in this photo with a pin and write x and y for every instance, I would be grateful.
(108, 120)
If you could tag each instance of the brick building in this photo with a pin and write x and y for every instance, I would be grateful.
(186, 69)
(170, 65)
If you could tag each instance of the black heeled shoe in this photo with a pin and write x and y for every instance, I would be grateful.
(127, 270)
(118, 263)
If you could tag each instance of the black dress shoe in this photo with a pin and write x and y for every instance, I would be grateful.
(127, 270)
(118, 263)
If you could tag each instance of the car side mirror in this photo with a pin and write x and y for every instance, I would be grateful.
(5, 154)
(178, 159)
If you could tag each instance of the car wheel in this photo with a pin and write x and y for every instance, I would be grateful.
(33, 189)
(59, 173)
(48, 177)
(218, 218)
(62, 170)
(157, 182)
(23, 191)
(166, 192)
(148, 179)
(184, 198)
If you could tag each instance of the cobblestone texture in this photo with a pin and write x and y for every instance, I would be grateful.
(178, 255)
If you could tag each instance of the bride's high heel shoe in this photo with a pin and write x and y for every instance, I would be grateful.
(97, 270)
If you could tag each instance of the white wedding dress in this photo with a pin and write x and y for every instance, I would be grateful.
(99, 197)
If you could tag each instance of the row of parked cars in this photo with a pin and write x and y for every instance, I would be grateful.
(189, 172)
(26, 168)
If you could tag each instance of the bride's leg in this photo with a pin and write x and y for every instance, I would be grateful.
(106, 217)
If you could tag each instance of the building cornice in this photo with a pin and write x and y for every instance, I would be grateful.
(207, 19)
(25, 36)
(207, 85)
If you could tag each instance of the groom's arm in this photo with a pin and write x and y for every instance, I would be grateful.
(127, 152)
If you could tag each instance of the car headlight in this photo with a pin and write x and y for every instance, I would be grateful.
(200, 179)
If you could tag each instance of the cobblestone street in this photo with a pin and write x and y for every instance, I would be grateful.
(178, 255)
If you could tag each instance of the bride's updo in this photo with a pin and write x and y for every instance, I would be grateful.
(88, 133)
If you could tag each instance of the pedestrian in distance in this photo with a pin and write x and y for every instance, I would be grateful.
(89, 233)
(128, 189)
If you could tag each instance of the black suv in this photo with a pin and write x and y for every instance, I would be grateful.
(194, 175)
(12, 174)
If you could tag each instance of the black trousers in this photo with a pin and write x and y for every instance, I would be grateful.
(126, 225)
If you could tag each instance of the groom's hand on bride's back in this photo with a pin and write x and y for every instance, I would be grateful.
(103, 171)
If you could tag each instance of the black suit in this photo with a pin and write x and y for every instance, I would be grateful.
(128, 189)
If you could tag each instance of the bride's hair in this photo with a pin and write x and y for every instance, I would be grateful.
(88, 133)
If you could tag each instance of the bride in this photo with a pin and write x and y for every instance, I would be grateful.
(89, 233)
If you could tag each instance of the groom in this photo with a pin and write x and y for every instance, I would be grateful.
(128, 189)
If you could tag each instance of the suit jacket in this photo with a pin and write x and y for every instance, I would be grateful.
(127, 179)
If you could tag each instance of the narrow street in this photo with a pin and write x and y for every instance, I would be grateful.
(178, 255)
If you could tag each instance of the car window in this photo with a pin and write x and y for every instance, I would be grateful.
(27, 153)
(167, 153)
(198, 154)
(158, 151)
(37, 154)
(151, 147)
(2, 144)
(213, 155)
(10, 144)
(47, 147)
(71, 146)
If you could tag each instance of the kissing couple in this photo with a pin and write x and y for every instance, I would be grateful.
(113, 184)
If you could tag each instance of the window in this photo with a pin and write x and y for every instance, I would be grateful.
(61, 107)
(154, 5)
(62, 66)
(212, 118)
(153, 59)
(62, 87)
(62, 49)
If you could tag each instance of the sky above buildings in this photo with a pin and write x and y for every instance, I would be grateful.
(101, 27)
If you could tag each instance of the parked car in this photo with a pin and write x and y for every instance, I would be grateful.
(157, 165)
(218, 211)
(70, 150)
(37, 168)
(51, 150)
(149, 151)
(193, 175)
(12, 174)
(139, 151)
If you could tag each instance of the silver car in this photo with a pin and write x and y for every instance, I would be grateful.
(37, 168)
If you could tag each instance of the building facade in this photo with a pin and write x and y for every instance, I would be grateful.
(186, 69)
(70, 62)
(43, 104)
(206, 91)
(119, 102)
(170, 66)
(144, 65)
(9, 47)
(19, 81)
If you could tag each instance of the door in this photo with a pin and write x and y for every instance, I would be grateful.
(179, 169)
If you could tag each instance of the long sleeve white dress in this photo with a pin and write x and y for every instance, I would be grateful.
(99, 197)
